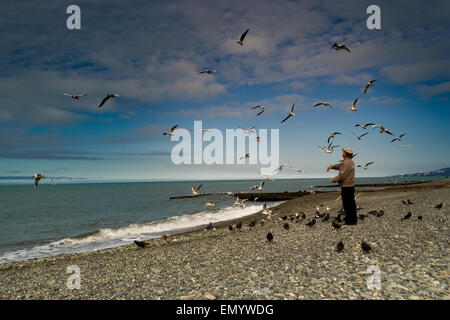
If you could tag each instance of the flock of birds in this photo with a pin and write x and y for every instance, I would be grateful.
(329, 148)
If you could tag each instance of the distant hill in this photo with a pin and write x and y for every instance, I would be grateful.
(441, 172)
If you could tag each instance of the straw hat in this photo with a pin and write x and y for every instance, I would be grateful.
(348, 151)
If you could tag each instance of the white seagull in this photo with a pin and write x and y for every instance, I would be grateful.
(243, 203)
(333, 135)
(325, 104)
(298, 170)
(75, 96)
(291, 114)
(249, 130)
(37, 177)
(210, 204)
(109, 96)
(382, 129)
(399, 138)
(266, 211)
(365, 166)
(259, 107)
(364, 126)
(195, 190)
(236, 202)
(368, 85)
(359, 137)
(353, 108)
(268, 177)
(170, 133)
(259, 188)
(279, 168)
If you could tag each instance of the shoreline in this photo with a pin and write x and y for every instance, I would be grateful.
(218, 249)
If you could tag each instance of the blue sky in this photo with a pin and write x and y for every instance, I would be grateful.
(150, 53)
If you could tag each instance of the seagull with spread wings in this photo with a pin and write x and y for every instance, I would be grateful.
(241, 39)
(368, 85)
(37, 177)
(325, 104)
(291, 113)
(75, 96)
(353, 107)
(109, 96)
(259, 107)
(333, 135)
(259, 188)
(195, 190)
(365, 166)
(364, 126)
(399, 138)
(338, 47)
(171, 131)
(360, 136)
(207, 72)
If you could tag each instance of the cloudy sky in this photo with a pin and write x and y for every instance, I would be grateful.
(150, 53)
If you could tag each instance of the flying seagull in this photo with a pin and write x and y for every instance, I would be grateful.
(268, 177)
(53, 182)
(170, 133)
(110, 95)
(207, 71)
(329, 149)
(279, 168)
(37, 177)
(249, 130)
(368, 85)
(338, 47)
(382, 129)
(295, 169)
(291, 114)
(333, 135)
(260, 187)
(365, 166)
(259, 107)
(241, 40)
(359, 137)
(325, 104)
(399, 138)
(75, 96)
(353, 107)
(247, 155)
(195, 190)
(364, 126)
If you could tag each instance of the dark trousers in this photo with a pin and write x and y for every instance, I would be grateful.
(348, 202)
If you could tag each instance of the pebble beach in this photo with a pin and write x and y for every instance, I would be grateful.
(408, 260)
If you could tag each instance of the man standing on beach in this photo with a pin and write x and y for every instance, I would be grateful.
(346, 180)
